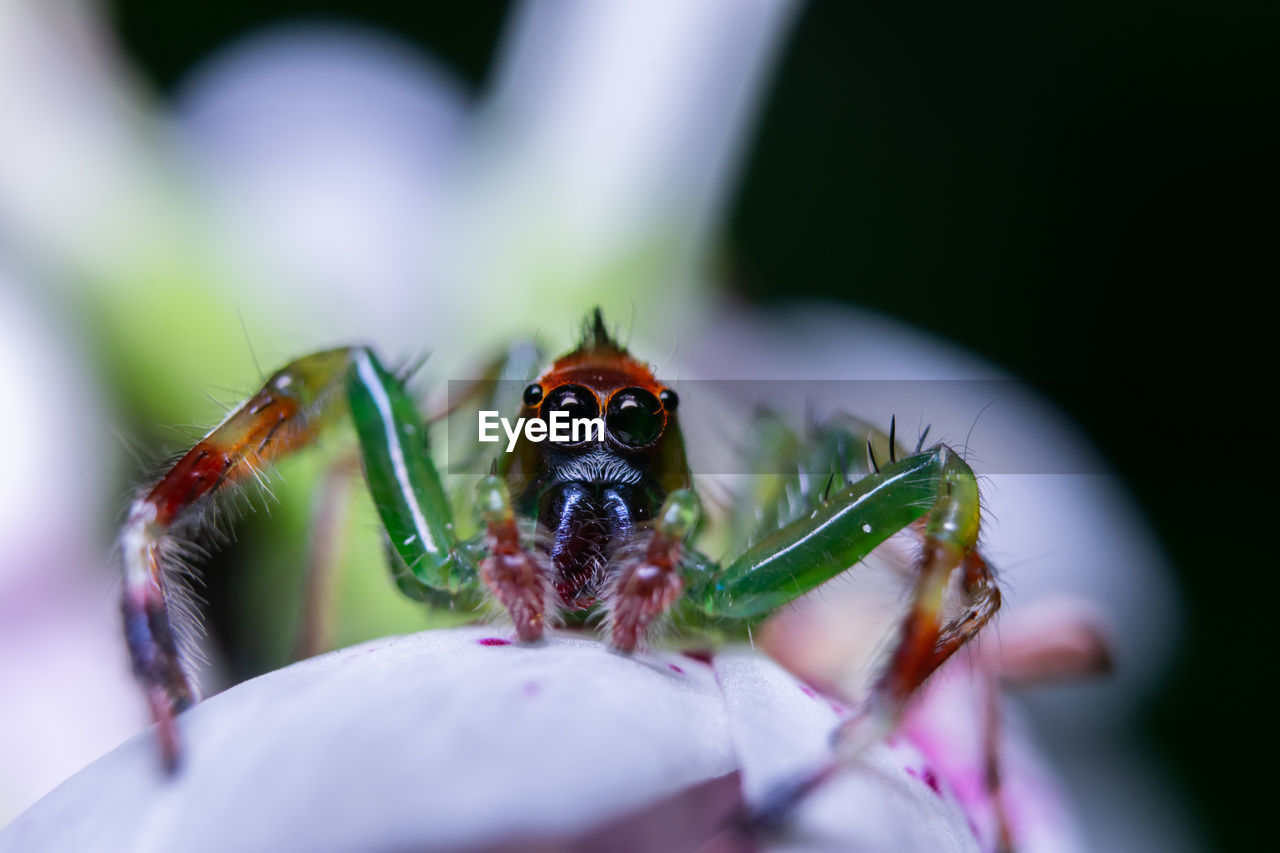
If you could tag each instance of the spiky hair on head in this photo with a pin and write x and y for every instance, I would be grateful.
(595, 335)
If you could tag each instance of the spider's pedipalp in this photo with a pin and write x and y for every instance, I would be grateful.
(645, 586)
(515, 576)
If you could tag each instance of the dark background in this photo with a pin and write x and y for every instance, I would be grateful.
(1085, 193)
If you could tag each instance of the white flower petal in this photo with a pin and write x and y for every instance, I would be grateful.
(455, 738)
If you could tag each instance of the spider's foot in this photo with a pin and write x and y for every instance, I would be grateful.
(158, 668)
(779, 806)
(164, 712)
(869, 725)
(166, 701)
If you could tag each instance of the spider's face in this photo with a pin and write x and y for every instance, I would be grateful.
(606, 469)
(592, 490)
(615, 420)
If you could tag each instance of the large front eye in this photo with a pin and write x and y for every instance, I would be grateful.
(574, 400)
(634, 417)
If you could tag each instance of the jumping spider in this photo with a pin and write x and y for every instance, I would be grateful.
(571, 528)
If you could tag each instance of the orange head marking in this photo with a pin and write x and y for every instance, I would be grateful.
(601, 379)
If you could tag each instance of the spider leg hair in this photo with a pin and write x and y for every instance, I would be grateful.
(645, 585)
(156, 541)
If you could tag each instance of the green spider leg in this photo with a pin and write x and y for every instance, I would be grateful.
(429, 562)
(297, 403)
(806, 534)
(497, 387)
(933, 493)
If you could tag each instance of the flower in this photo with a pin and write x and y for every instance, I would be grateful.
(459, 739)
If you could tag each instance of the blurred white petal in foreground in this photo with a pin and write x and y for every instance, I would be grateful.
(457, 739)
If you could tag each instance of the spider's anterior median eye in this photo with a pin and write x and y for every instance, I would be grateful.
(533, 395)
(574, 400)
(634, 417)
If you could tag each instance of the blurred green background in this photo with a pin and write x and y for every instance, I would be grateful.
(1084, 193)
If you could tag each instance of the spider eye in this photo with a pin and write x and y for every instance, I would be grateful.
(670, 399)
(533, 395)
(634, 417)
(575, 400)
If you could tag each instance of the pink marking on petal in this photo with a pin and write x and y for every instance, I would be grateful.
(808, 691)
(493, 641)
(531, 688)
(927, 776)
(675, 668)
(700, 655)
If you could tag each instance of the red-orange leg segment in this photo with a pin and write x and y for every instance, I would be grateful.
(281, 417)
(925, 641)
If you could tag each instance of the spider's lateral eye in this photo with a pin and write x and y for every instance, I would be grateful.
(670, 399)
(577, 401)
(634, 417)
(533, 395)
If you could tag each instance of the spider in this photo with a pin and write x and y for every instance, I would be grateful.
(597, 525)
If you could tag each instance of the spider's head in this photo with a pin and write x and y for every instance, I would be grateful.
(600, 380)
(628, 435)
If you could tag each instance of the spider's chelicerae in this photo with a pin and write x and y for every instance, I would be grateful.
(598, 525)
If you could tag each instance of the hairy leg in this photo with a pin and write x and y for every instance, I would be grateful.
(935, 487)
(284, 415)
(925, 641)
(646, 587)
(520, 583)
(289, 411)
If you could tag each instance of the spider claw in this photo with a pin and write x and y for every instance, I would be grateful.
(871, 454)
(893, 438)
